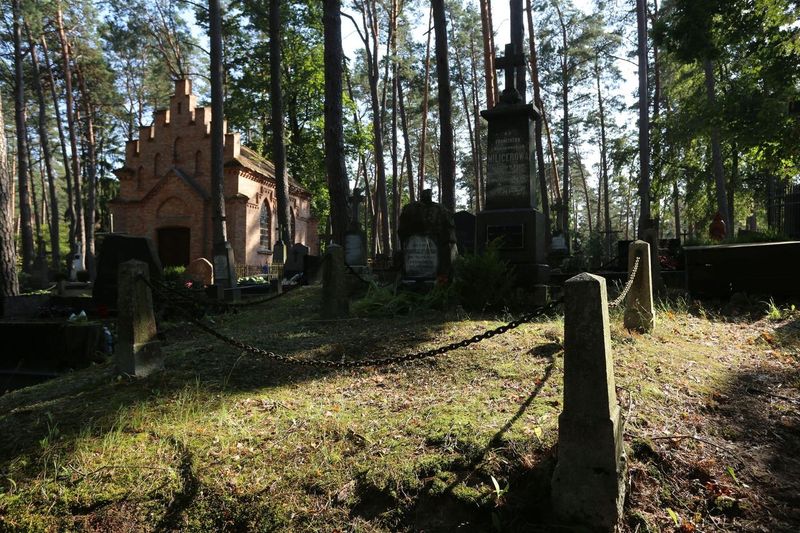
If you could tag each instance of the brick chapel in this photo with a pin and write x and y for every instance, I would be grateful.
(165, 190)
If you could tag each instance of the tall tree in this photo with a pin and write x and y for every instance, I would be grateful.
(224, 271)
(22, 144)
(278, 142)
(334, 132)
(447, 163)
(9, 286)
(44, 143)
(488, 53)
(644, 117)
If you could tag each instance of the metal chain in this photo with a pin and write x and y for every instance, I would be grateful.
(628, 284)
(366, 362)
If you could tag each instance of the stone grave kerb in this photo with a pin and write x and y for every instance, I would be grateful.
(138, 351)
(587, 485)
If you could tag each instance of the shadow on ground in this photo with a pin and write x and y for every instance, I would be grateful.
(91, 398)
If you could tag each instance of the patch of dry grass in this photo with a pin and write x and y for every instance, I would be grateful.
(227, 441)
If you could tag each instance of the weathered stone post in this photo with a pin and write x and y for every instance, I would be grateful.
(640, 314)
(138, 352)
(587, 485)
(335, 300)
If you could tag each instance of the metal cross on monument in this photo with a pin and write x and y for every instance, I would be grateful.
(509, 64)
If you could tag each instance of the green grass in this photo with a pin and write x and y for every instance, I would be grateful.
(223, 440)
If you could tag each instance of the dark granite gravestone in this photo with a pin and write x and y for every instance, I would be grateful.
(355, 239)
(512, 215)
(295, 261)
(117, 249)
(428, 240)
(465, 231)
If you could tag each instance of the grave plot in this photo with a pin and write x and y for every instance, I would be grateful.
(226, 439)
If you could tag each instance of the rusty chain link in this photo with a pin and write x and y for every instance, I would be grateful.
(628, 284)
(364, 362)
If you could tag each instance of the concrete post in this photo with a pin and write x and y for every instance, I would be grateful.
(138, 352)
(335, 300)
(588, 487)
(640, 315)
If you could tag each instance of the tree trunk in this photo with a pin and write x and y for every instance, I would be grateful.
(91, 174)
(472, 140)
(565, 196)
(278, 145)
(585, 187)
(9, 286)
(55, 253)
(425, 92)
(488, 53)
(644, 120)
(79, 246)
(716, 147)
(603, 160)
(334, 132)
(732, 187)
(22, 146)
(677, 208)
(447, 162)
(537, 100)
(381, 221)
(477, 117)
(395, 174)
(69, 213)
(406, 140)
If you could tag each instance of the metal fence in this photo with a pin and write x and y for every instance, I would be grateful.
(783, 209)
(270, 271)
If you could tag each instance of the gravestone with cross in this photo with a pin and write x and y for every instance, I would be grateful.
(512, 218)
(355, 239)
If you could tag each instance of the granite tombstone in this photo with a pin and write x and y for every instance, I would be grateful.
(512, 217)
(427, 236)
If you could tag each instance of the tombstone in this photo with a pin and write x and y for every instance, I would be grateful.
(752, 223)
(355, 239)
(588, 486)
(428, 240)
(279, 253)
(138, 351)
(115, 250)
(201, 271)
(335, 300)
(512, 214)
(295, 261)
(465, 232)
(639, 311)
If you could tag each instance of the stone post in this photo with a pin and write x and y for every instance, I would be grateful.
(640, 315)
(138, 352)
(587, 486)
(335, 300)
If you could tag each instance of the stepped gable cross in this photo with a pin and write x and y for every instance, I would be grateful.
(509, 63)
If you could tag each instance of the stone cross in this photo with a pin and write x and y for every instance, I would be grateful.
(509, 63)
(355, 201)
(588, 483)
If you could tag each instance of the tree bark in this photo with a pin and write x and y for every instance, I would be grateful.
(44, 142)
(335, 169)
(537, 100)
(644, 120)
(395, 174)
(603, 159)
(425, 93)
(716, 146)
(278, 145)
(488, 53)
(585, 187)
(470, 133)
(91, 173)
(406, 140)
(69, 213)
(447, 163)
(79, 246)
(477, 118)
(565, 196)
(26, 230)
(9, 285)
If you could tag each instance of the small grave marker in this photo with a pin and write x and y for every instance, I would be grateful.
(138, 351)
(201, 271)
(640, 315)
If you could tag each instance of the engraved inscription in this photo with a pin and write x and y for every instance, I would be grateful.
(421, 257)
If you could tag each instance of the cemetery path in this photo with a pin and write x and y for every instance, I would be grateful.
(223, 440)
